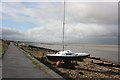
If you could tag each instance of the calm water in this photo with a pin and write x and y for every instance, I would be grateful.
(105, 52)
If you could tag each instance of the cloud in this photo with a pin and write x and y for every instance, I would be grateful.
(45, 34)
(90, 21)
(91, 33)
(42, 15)
(72, 34)
(35, 34)
(11, 34)
(98, 13)
(38, 13)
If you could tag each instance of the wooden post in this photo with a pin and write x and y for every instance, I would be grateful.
(92, 61)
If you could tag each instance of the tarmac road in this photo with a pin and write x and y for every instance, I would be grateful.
(16, 65)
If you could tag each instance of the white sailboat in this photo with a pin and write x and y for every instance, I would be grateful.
(66, 55)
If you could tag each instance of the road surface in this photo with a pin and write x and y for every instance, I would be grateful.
(16, 65)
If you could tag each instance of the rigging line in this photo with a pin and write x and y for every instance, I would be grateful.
(63, 25)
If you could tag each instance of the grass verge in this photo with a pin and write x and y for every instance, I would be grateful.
(3, 47)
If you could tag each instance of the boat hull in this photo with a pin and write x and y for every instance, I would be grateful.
(66, 58)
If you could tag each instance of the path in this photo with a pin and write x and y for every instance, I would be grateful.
(16, 65)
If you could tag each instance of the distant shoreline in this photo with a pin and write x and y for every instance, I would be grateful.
(72, 44)
(65, 42)
(95, 50)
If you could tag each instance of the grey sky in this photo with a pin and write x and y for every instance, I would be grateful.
(86, 22)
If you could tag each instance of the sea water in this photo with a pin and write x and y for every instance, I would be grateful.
(105, 52)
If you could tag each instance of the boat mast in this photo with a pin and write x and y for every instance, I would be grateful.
(63, 25)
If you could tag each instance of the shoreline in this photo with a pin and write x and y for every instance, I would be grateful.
(95, 50)
(94, 67)
(92, 57)
(71, 43)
